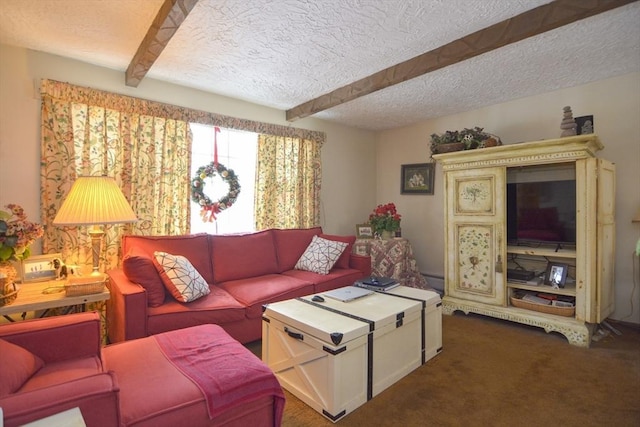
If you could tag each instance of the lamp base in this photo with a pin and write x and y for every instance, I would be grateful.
(96, 234)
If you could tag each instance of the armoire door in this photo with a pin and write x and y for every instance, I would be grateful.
(475, 235)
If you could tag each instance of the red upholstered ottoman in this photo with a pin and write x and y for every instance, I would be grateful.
(197, 376)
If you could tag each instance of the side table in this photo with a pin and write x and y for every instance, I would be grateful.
(46, 296)
(392, 258)
(69, 418)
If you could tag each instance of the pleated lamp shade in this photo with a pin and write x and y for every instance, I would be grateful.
(94, 200)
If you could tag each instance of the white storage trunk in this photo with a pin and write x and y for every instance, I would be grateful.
(334, 356)
(432, 317)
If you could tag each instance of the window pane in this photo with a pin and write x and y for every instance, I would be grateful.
(237, 151)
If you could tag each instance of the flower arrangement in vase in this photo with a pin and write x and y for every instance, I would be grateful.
(385, 220)
(16, 235)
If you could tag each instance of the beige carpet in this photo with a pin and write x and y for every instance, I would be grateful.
(497, 373)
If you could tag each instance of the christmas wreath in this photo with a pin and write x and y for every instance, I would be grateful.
(209, 208)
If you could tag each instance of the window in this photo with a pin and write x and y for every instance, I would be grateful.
(237, 151)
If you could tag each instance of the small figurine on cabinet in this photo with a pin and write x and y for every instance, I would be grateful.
(568, 124)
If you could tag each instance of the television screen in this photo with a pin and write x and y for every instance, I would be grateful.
(539, 212)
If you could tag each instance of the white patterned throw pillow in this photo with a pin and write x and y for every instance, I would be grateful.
(321, 255)
(180, 278)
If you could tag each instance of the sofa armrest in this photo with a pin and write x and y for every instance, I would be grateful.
(126, 308)
(97, 396)
(57, 338)
(362, 263)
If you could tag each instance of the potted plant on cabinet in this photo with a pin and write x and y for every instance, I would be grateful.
(466, 139)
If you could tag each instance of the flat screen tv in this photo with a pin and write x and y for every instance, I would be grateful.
(541, 212)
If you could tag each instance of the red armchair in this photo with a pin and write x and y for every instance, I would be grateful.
(72, 375)
(54, 364)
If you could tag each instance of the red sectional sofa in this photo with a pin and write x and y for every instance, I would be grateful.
(244, 272)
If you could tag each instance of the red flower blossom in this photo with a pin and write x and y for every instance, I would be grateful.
(385, 217)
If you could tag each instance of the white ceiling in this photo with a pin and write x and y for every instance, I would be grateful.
(282, 53)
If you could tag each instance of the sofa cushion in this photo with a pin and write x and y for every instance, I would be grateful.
(138, 266)
(180, 278)
(343, 261)
(194, 247)
(291, 243)
(62, 372)
(152, 390)
(257, 291)
(321, 255)
(337, 278)
(17, 365)
(243, 255)
(218, 307)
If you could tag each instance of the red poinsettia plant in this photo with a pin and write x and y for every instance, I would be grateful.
(385, 217)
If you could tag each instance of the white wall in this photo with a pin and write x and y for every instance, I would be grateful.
(615, 105)
(348, 189)
(357, 174)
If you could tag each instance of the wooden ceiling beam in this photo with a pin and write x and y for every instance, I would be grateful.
(533, 22)
(171, 15)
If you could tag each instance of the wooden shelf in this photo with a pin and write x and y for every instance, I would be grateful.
(542, 251)
(568, 290)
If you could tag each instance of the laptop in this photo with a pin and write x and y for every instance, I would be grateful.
(381, 282)
(348, 293)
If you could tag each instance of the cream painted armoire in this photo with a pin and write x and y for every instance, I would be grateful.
(479, 251)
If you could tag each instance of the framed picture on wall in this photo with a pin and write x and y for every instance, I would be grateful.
(417, 178)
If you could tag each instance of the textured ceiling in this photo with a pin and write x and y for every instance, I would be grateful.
(282, 53)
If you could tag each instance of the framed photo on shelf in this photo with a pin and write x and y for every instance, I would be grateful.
(39, 268)
(364, 231)
(556, 274)
(417, 178)
(585, 125)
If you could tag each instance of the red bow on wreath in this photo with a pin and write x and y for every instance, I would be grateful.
(208, 213)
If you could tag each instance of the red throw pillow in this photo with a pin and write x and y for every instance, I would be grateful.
(291, 243)
(343, 261)
(241, 256)
(194, 247)
(17, 365)
(138, 266)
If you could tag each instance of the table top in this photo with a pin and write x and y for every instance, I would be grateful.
(33, 297)
(69, 418)
(350, 319)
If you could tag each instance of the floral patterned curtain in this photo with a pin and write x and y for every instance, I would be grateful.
(140, 143)
(288, 178)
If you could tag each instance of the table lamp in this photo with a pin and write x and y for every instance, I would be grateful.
(95, 201)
